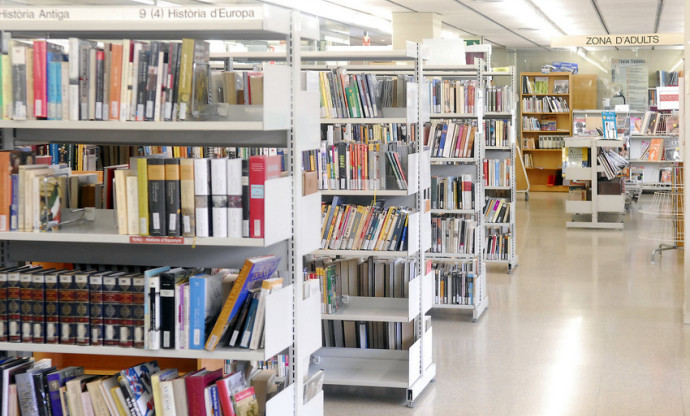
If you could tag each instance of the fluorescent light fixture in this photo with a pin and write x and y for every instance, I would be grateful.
(525, 12)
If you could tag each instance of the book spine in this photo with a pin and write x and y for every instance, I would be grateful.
(152, 81)
(125, 319)
(19, 80)
(143, 195)
(81, 309)
(172, 196)
(156, 196)
(202, 196)
(132, 191)
(54, 381)
(168, 315)
(197, 310)
(66, 298)
(38, 282)
(154, 313)
(110, 311)
(100, 81)
(219, 198)
(142, 75)
(185, 78)
(40, 80)
(6, 82)
(234, 191)
(3, 307)
(13, 308)
(138, 298)
(187, 197)
(96, 309)
(26, 307)
(52, 317)
(115, 85)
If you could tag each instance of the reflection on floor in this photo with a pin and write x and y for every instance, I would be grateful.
(586, 325)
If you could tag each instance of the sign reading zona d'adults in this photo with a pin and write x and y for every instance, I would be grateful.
(630, 40)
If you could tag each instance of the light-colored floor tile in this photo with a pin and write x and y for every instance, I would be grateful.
(586, 325)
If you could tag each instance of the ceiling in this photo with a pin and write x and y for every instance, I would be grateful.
(510, 23)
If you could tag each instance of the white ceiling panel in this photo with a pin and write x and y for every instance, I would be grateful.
(628, 16)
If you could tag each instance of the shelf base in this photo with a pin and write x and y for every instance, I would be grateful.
(594, 225)
(420, 385)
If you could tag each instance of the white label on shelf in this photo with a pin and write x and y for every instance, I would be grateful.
(173, 222)
(170, 14)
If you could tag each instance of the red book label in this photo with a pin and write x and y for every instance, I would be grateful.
(156, 240)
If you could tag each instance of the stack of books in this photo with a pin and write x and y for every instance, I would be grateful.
(496, 210)
(453, 234)
(450, 139)
(497, 132)
(129, 80)
(454, 283)
(497, 172)
(497, 243)
(447, 96)
(364, 227)
(498, 99)
(168, 308)
(452, 192)
(361, 95)
(368, 335)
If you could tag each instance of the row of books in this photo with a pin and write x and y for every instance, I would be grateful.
(454, 283)
(497, 132)
(537, 85)
(368, 335)
(160, 308)
(369, 132)
(664, 176)
(667, 78)
(545, 105)
(498, 99)
(364, 227)
(448, 96)
(578, 157)
(452, 192)
(368, 277)
(655, 123)
(496, 210)
(539, 124)
(450, 139)
(497, 172)
(40, 388)
(124, 80)
(359, 95)
(360, 166)
(453, 234)
(497, 241)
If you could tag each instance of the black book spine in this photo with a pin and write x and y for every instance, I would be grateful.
(156, 184)
(342, 164)
(176, 77)
(245, 198)
(152, 80)
(236, 330)
(168, 315)
(142, 75)
(172, 196)
(138, 301)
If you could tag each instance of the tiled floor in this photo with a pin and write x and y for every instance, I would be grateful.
(586, 325)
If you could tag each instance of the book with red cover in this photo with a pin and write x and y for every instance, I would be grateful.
(40, 80)
(195, 390)
(261, 168)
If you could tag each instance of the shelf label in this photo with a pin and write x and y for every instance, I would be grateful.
(151, 13)
(155, 240)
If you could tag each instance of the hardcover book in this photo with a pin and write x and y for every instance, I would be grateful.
(81, 307)
(156, 195)
(261, 169)
(172, 196)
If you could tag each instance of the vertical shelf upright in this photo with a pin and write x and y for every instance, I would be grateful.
(509, 191)
(290, 124)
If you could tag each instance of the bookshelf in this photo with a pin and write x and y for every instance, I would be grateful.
(593, 213)
(507, 154)
(292, 313)
(411, 368)
(463, 264)
(546, 165)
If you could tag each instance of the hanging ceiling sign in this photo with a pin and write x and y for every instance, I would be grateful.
(630, 40)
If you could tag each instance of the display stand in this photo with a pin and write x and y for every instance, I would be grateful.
(599, 204)
(292, 323)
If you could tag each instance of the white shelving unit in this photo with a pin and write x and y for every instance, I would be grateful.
(608, 204)
(452, 166)
(505, 152)
(411, 369)
(293, 314)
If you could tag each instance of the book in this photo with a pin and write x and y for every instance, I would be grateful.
(125, 322)
(247, 331)
(138, 311)
(187, 198)
(219, 198)
(152, 307)
(172, 196)
(111, 311)
(96, 308)
(157, 197)
(254, 270)
(168, 313)
(261, 169)
(202, 196)
(121, 205)
(234, 195)
(195, 385)
(57, 379)
(656, 150)
(136, 382)
(205, 302)
(132, 198)
(143, 195)
(267, 286)
(156, 386)
(246, 403)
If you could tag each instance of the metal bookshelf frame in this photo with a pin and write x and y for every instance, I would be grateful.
(272, 23)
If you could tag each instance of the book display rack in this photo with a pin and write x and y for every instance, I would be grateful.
(275, 123)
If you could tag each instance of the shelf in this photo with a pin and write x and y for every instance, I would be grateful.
(548, 114)
(497, 74)
(497, 224)
(497, 148)
(652, 136)
(576, 173)
(442, 160)
(578, 207)
(382, 192)
(241, 354)
(362, 253)
(497, 188)
(452, 306)
(542, 150)
(452, 115)
(453, 211)
(546, 131)
(525, 94)
(389, 120)
(651, 162)
(451, 256)
(542, 168)
(611, 203)
(498, 114)
(378, 309)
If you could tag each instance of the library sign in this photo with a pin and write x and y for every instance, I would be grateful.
(124, 14)
(630, 40)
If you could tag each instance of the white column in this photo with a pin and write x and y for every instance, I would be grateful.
(415, 27)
